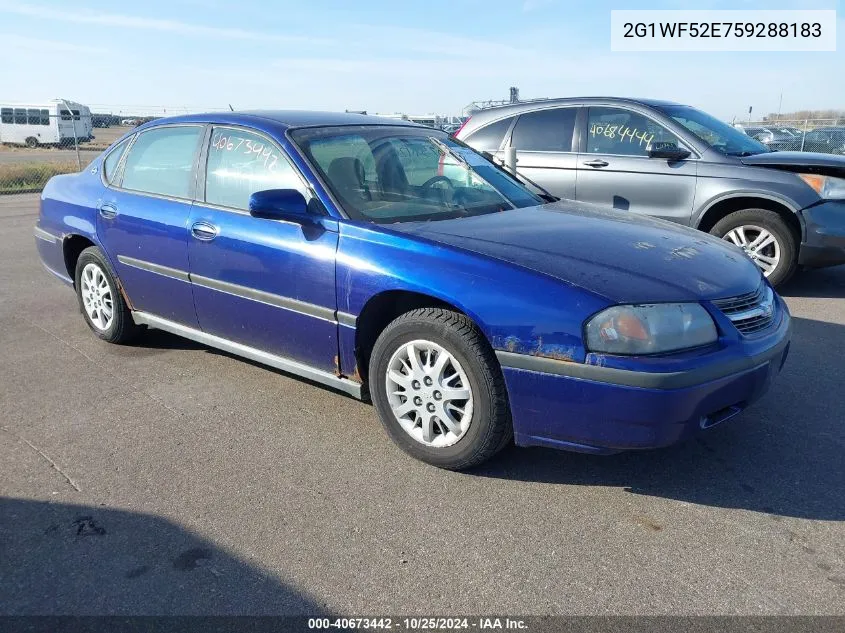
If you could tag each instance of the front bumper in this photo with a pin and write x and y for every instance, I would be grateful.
(603, 410)
(825, 235)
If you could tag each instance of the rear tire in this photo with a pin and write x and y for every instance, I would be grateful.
(452, 411)
(31, 142)
(766, 239)
(100, 299)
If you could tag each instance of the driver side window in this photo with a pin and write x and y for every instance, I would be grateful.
(623, 132)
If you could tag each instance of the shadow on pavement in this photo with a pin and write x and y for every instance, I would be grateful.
(83, 560)
(784, 456)
(821, 283)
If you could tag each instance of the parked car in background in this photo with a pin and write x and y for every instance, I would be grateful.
(384, 258)
(830, 140)
(129, 122)
(767, 136)
(784, 209)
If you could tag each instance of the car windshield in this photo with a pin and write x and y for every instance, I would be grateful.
(406, 174)
(717, 134)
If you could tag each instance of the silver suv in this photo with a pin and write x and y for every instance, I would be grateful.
(672, 161)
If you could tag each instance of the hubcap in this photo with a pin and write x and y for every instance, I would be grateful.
(429, 393)
(759, 244)
(96, 296)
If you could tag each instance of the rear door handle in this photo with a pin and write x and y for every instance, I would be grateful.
(204, 231)
(597, 162)
(108, 211)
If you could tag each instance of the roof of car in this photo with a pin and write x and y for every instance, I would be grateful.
(287, 118)
(566, 100)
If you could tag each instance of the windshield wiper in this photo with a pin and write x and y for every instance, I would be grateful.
(525, 180)
(450, 152)
(546, 195)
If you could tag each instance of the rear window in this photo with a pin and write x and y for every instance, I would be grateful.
(489, 138)
(545, 130)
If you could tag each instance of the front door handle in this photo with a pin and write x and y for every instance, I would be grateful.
(108, 211)
(596, 162)
(204, 231)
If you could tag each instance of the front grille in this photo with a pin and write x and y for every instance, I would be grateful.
(750, 313)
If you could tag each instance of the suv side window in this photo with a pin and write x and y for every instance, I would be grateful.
(545, 130)
(241, 163)
(489, 138)
(161, 161)
(623, 132)
(112, 161)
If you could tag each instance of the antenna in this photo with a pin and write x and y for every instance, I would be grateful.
(231, 108)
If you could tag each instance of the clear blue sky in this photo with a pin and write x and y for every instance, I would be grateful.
(383, 56)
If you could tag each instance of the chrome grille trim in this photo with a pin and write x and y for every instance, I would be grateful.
(750, 313)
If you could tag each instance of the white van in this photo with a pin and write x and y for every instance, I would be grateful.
(50, 123)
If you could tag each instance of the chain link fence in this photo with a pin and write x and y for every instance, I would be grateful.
(43, 140)
(803, 135)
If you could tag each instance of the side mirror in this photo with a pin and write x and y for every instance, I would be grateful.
(667, 150)
(279, 204)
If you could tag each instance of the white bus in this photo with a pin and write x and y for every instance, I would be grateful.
(50, 123)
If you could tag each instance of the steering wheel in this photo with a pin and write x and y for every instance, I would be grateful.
(435, 179)
(446, 195)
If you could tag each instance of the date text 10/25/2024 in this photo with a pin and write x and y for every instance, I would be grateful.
(419, 623)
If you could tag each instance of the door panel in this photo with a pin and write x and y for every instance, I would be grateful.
(265, 283)
(144, 232)
(614, 169)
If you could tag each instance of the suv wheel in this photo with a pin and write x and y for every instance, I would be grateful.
(438, 389)
(765, 238)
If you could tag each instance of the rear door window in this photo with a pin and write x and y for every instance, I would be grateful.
(545, 130)
(161, 161)
(490, 137)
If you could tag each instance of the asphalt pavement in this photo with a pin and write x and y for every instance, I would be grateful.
(168, 478)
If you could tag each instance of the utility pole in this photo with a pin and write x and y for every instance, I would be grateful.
(75, 141)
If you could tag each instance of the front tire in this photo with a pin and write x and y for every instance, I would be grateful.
(765, 238)
(438, 389)
(32, 142)
(100, 300)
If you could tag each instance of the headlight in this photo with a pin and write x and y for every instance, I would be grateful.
(650, 329)
(827, 187)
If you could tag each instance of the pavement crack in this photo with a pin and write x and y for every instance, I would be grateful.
(46, 457)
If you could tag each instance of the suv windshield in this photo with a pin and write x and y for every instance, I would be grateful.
(717, 134)
(406, 174)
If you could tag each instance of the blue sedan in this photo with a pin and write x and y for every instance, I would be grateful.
(388, 261)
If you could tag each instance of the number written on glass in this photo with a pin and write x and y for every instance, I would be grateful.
(258, 151)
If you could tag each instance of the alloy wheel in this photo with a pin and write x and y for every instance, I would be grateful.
(96, 296)
(759, 244)
(429, 393)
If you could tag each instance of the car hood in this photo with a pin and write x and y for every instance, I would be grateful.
(826, 164)
(623, 257)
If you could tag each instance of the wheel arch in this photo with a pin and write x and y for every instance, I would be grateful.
(721, 208)
(380, 310)
(72, 247)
